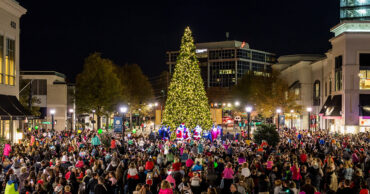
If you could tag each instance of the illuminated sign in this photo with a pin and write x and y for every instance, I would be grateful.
(243, 45)
(365, 122)
(198, 51)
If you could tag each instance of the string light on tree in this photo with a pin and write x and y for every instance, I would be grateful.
(187, 101)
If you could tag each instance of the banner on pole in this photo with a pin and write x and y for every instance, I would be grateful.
(117, 124)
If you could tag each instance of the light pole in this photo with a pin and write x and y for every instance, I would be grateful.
(71, 113)
(52, 112)
(123, 110)
(291, 119)
(248, 109)
(278, 111)
(309, 110)
(93, 118)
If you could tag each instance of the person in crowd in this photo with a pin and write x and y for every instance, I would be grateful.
(86, 162)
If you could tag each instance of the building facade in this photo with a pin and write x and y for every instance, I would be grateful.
(223, 63)
(51, 89)
(10, 111)
(337, 86)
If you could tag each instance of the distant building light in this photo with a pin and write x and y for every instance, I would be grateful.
(198, 51)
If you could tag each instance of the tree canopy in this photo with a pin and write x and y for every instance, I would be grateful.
(138, 91)
(97, 87)
(265, 93)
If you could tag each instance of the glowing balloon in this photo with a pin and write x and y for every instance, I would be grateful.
(29, 129)
(79, 131)
(134, 131)
(100, 131)
(36, 127)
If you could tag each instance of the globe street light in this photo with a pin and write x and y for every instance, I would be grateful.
(291, 119)
(52, 112)
(237, 103)
(123, 110)
(278, 111)
(71, 113)
(309, 110)
(248, 109)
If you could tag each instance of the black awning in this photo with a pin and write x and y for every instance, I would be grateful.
(7, 106)
(19, 106)
(335, 108)
(326, 105)
(364, 104)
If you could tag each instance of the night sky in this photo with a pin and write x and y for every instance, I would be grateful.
(58, 35)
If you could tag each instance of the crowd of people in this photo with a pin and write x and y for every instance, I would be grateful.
(87, 162)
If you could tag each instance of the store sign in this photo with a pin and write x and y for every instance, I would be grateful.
(364, 122)
(198, 51)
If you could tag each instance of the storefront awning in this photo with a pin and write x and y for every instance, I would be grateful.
(325, 106)
(365, 105)
(10, 108)
(333, 111)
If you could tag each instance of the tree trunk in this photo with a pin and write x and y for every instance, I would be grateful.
(107, 122)
(99, 122)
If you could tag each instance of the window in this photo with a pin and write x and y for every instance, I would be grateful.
(326, 89)
(258, 67)
(222, 54)
(222, 74)
(364, 71)
(258, 56)
(296, 89)
(338, 73)
(297, 92)
(316, 93)
(174, 57)
(330, 87)
(1, 58)
(244, 54)
(9, 62)
(39, 87)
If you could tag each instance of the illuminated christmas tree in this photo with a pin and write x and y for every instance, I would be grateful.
(186, 99)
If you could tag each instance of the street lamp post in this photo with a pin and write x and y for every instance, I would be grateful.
(291, 119)
(248, 109)
(71, 113)
(93, 118)
(123, 110)
(52, 112)
(278, 111)
(309, 110)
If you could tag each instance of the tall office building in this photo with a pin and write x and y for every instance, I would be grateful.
(223, 63)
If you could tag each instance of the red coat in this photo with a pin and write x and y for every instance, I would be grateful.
(149, 165)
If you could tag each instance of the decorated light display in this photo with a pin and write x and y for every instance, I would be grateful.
(186, 100)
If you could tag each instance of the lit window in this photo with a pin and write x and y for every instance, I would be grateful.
(9, 62)
(1, 58)
(364, 79)
(225, 71)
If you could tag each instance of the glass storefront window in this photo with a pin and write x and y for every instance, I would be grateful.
(364, 79)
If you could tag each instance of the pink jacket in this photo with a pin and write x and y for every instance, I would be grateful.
(189, 162)
(165, 191)
(7, 150)
(296, 174)
(228, 173)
